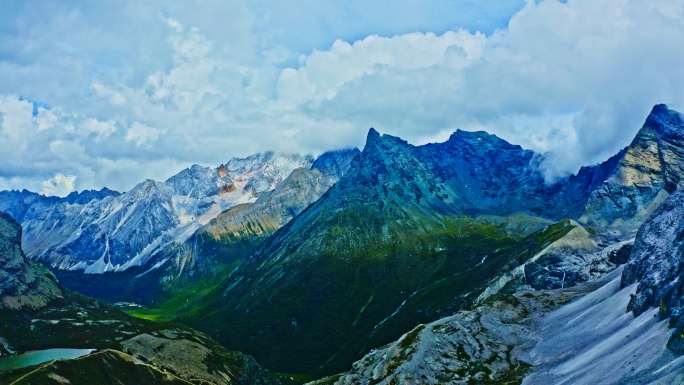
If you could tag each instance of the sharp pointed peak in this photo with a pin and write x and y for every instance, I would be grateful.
(372, 133)
(665, 121)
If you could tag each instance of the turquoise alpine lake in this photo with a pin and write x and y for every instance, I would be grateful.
(36, 357)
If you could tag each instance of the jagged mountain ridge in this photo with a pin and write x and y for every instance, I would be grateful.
(215, 248)
(105, 231)
(493, 176)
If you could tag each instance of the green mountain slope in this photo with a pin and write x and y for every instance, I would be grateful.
(384, 249)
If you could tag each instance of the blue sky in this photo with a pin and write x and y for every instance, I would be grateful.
(110, 93)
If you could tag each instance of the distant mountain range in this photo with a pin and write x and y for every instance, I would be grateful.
(103, 231)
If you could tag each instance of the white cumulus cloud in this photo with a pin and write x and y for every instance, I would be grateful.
(59, 185)
(140, 133)
(574, 79)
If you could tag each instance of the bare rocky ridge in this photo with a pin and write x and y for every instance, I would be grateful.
(273, 209)
(22, 284)
(657, 265)
(577, 257)
(577, 335)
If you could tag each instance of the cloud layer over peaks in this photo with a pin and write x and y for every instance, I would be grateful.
(114, 93)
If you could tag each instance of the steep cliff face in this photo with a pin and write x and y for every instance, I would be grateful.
(657, 265)
(22, 284)
(647, 174)
(334, 164)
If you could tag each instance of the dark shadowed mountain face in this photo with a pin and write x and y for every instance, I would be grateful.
(493, 176)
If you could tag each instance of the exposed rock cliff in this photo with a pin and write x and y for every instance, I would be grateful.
(646, 175)
(657, 265)
(22, 284)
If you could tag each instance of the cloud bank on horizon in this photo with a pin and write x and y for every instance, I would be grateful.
(112, 93)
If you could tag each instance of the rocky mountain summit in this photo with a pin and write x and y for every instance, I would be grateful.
(647, 174)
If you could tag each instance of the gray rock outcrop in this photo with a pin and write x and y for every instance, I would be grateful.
(22, 284)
